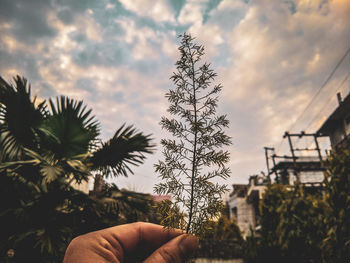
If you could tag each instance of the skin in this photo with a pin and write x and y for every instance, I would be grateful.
(136, 242)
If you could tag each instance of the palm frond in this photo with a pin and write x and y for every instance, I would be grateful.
(72, 128)
(19, 117)
(127, 147)
(48, 169)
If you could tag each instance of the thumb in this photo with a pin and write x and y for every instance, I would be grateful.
(176, 250)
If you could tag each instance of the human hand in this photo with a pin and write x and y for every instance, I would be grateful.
(132, 243)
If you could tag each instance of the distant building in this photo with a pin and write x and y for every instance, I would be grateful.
(304, 165)
(307, 168)
(99, 186)
(337, 126)
(244, 203)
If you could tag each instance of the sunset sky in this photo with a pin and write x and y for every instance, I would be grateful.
(271, 57)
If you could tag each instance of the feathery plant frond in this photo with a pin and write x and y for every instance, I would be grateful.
(194, 157)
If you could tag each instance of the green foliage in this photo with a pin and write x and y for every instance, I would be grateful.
(194, 157)
(38, 220)
(292, 226)
(43, 152)
(264, 246)
(300, 227)
(20, 119)
(255, 251)
(126, 147)
(273, 198)
(336, 246)
(223, 229)
(222, 239)
(123, 206)
(171, 215)
(71, 128)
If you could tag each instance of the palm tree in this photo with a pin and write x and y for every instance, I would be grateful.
(44, 148)
(67, 130)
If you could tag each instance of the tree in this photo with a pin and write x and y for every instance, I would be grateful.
(265, 246)
(336, 245)
(124, 206)
(222, 239)
(301, 228)
(194, 157)
(66, 130)
(292, 226)
(272, 200)
(44, 148)
(223, 229)
(297, 226)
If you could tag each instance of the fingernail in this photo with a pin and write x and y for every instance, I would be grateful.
(188, 244)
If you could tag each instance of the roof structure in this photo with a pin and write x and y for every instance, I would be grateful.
(159, 198)
(336, 118)
(310, 163)
(239, 189)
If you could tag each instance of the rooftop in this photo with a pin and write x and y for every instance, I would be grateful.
(336, 117)
(239, 189)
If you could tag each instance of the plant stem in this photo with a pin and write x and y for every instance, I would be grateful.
(194, 145)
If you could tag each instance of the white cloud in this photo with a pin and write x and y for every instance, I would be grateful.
(191, 13)
(157, 10)
(218, 25)
(280, 61)
(110, 6)
(169, 47)
(141, 39)
(229, 4)
(278, 58)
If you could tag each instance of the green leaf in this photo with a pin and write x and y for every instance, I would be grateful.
(127, 147)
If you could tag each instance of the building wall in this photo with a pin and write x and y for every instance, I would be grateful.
(337, 135)
(244, 216)
(312, 177)
(260, 188)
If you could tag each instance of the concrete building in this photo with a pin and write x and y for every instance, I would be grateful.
(307, 169)
(337, 126)
(244, 203)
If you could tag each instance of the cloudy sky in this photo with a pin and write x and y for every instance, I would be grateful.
(272, 57)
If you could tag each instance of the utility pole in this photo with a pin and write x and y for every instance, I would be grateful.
(296, 172)
(267, 149)
(293, 150)
(318, 148)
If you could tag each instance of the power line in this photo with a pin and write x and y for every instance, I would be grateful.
(328, 101)
(319, 90)
(317, 93)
